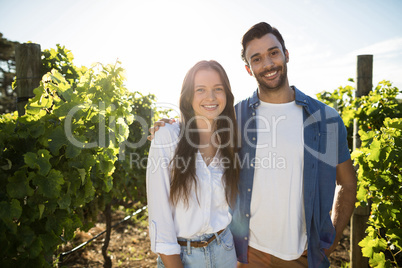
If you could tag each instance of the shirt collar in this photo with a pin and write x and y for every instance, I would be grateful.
(254, 100)
(300, 98)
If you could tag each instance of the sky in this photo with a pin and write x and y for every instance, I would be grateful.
(157, 41)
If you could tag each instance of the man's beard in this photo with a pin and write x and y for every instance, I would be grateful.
(270, 87)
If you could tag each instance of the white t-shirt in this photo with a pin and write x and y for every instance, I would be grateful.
(277, 223)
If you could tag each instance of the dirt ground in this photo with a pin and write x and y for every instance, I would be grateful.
(130, 246)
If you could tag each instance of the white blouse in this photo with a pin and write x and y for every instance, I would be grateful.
(206, 213)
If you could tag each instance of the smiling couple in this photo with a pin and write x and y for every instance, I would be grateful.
(225, 210)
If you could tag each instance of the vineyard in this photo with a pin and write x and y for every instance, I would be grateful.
(78, 155)
(379, 162)
(68, 158)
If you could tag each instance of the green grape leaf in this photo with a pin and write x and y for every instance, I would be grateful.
(50, 185)
(395, 235)
(108, 184)
(8, 165)
(15, 209)
(30, 159)
(378, 260)
(375, 152)
(72, 151)
(36, 130)
(18, 186)
(39, 161)
(35, 248)
(394, 123)
(10, 211)
(57, 139)
(49, 240)
(366, 246)
(123, 130)
(41, 208)
(362, 194)
(65, 201)
(89, 191)
(27, 235)
(82, 173)
(43, 161)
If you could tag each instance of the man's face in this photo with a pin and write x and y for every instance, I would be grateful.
(267, 62)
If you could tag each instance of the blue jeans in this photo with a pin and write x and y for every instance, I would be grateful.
(219, 253)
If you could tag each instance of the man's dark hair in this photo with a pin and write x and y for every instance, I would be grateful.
(257, 31)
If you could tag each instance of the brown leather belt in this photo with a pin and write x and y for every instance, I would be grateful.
(200, 244)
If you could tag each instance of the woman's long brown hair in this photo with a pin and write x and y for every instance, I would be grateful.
(184, 175)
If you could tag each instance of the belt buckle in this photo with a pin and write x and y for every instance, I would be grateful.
(204, 243)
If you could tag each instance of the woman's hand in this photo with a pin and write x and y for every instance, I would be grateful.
(171, 261)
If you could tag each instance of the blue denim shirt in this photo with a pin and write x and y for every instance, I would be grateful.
(325, 146)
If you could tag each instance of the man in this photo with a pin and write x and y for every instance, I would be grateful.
(293, 152)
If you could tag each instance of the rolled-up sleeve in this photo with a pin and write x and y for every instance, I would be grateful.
(161, 223)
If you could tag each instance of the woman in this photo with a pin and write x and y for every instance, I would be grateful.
(192, 175)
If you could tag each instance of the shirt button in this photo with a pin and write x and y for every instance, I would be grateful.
(253, 138)
(253, 113)
(248, 190)
(247, 215)
(252, 164)
(245, 238)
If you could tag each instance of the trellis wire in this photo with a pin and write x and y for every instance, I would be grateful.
(62, 255)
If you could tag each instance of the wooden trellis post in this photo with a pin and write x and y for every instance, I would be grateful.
(28, 64)
(364, 84)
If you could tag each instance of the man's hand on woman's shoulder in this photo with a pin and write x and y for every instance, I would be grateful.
(157, 125)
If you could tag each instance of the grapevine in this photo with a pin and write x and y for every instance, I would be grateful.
(379, 160)
(58, 161)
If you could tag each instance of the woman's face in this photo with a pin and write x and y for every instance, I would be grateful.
(209, 99)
